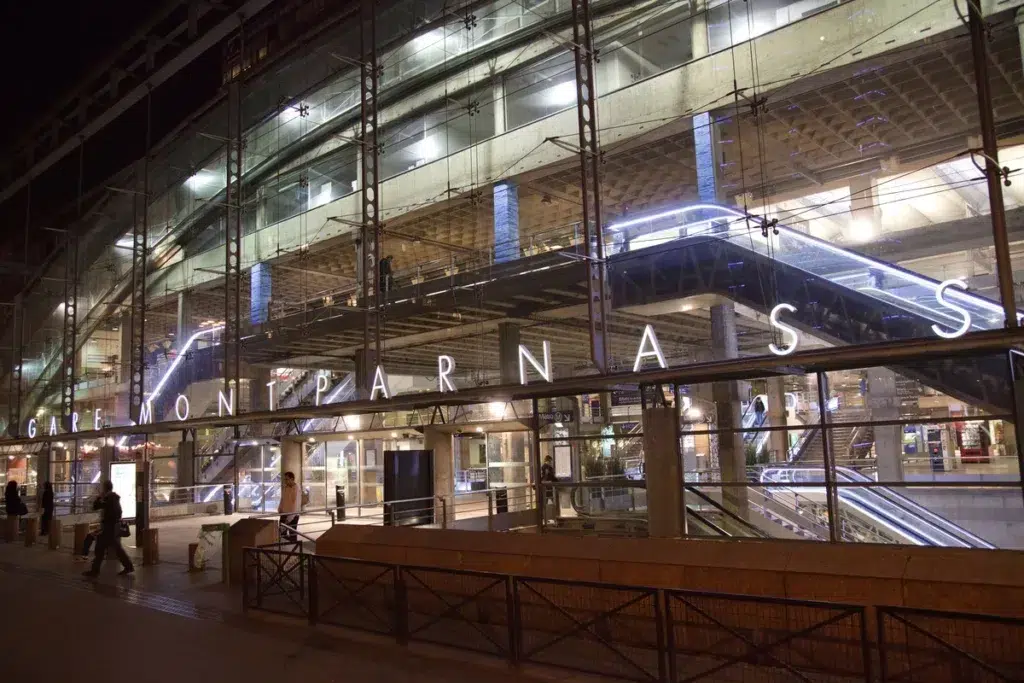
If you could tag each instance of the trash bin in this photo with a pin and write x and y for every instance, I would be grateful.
(500, 500)
(339, 500)
(229, 506)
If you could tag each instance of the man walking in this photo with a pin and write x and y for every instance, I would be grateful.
(109, 505)
(289, 508)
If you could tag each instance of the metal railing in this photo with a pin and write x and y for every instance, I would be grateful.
(633, 632)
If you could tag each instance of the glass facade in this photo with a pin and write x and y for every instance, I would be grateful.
(777, 178)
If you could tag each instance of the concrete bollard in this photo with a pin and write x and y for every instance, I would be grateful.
(11, 529)
(81, 531)
(150, 546)
(53, 536)
(31, 531)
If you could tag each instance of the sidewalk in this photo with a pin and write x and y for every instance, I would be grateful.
(164, 624)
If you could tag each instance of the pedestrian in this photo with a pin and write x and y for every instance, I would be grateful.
(47, 509)
(289, 508)
(109, 505)
(13, 503)
(547, 476)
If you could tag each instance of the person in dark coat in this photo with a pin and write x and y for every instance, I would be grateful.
(47, 509)
(109, 505)
(12, 501)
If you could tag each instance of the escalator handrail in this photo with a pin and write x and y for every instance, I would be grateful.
(801, 447)
(917, 510)
(725, 511)
(708, 523)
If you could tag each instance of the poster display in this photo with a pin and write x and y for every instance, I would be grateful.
(122, 476)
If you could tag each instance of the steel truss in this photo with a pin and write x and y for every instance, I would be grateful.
(137, 317)
(233, 241)
(598, 302)
(17, 358)
(370, 231)
(69, 337)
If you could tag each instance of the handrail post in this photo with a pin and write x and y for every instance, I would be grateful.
(490, 510)
(401, 608)
(444, 512)
(314, 591)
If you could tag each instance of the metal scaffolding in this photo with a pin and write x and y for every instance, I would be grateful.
(233, 241)
(70, 332)
(137, 317)
(370, 233)
(590, 183)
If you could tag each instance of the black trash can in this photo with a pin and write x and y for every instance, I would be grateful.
(339, 500)
(229, 502)
(500, 500)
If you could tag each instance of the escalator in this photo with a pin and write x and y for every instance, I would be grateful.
(839, 296)
(868, 513)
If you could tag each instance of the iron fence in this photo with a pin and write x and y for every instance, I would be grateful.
(634, 632)
(925, 645)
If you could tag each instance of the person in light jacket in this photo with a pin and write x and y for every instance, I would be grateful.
(290, 507)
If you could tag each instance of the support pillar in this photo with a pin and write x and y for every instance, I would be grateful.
(108, 454)
(260, 293)
(706, 140)
(664, 479)
(500, 122)
(778, 442)
(366, 365)
(506, 222)
(508, 352)
(884, 404)
(186, 463)
(291, 459)
(732, 459)
(699, 41)
(864, 208)
(186, 327)
(439, 442)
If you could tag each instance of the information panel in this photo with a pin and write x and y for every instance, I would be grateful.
(122, 476)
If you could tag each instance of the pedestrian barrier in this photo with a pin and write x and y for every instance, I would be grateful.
(633, 632)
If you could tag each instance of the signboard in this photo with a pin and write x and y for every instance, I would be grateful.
(122, 476)
(563, 416)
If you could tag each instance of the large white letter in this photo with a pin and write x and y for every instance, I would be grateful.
(74, 422)
(270, 390)
(321, 386)
(146, 413)
(177, 407)
(53, 426)
(97, 421)
(652, 339)
(940, 296)
(32, 428)
(773, 318)
(445, 365)
(524, 354)
(380, 383)
(226, 403)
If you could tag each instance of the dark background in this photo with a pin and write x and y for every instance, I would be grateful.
(46, 49)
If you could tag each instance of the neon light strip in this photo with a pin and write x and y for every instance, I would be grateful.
(177, 360)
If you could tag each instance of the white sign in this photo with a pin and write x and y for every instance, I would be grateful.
(122, 476)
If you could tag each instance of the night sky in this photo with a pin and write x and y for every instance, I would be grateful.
(47, 48)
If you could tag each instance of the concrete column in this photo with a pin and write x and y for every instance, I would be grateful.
(701, 46)
(508, 352)
(440, 443)
(778, 442)
(261, 209)
(291, 459)
(260, 293)
(664, 480)
(732, 459)
(365, 368)
(864, 208)
(108, 454)
(186, 325)
(884, 404)
(186, 463)
(500, 121)
(706, 139)
(506, 221)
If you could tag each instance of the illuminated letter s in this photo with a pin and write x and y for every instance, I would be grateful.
(940, 296)
(773, 318)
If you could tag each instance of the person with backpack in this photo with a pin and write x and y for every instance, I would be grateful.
(109, 505)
